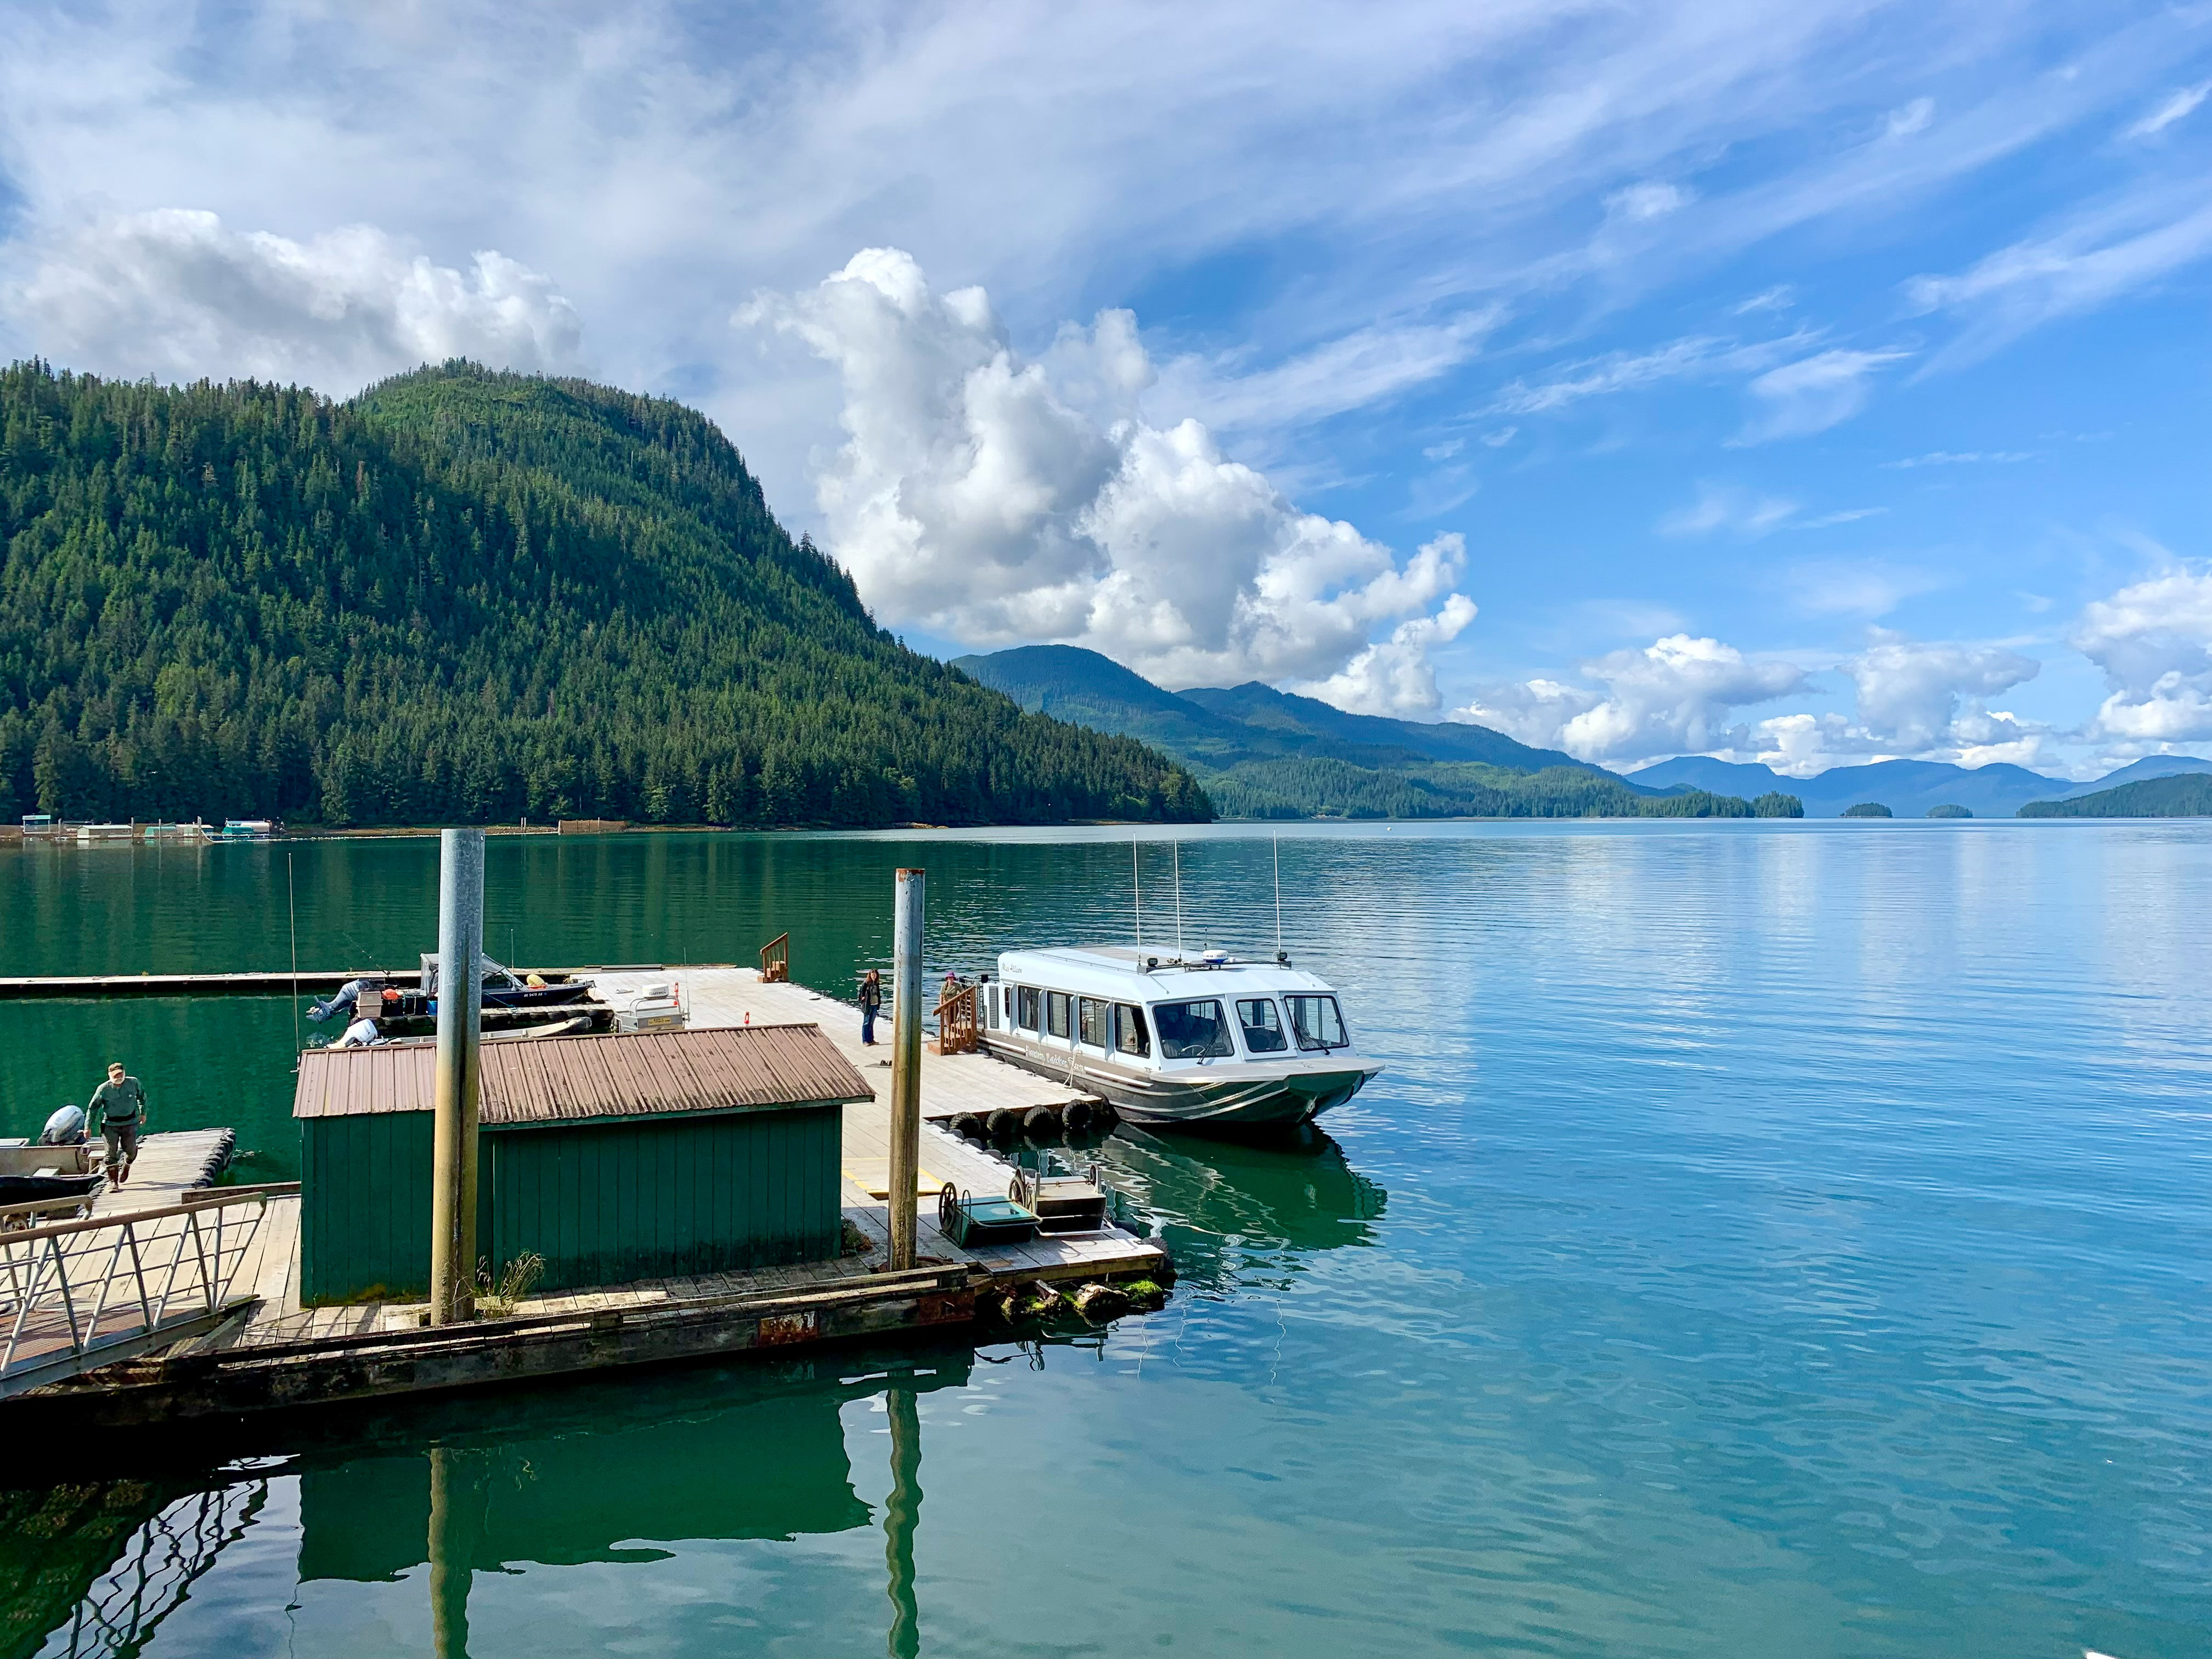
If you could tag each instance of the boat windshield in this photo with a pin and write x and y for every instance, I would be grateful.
(1317, 1023)
(1191, 1031)
(1263, 1029)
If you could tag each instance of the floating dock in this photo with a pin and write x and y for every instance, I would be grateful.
(268, 1351)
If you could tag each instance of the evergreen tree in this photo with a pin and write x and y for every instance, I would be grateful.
(466, 596)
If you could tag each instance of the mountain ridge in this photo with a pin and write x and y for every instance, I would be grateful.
(1263, 753)
(1907, 787)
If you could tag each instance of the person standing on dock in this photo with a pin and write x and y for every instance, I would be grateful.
(871, 1003)
(118, 1108)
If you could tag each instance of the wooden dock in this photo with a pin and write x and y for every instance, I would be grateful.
(280, 1354)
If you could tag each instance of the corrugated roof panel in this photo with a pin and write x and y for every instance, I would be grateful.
(566, 1079)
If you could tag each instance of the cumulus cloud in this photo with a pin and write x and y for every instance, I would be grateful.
(1813, 394)
(2154, 640)
(1915, 699)
(1675, 696)
(1681, 695)
(177, 294)
(1915, 695)
(1393, 676)
(998, 499)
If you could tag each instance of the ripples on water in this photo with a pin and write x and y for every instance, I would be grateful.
(1768, 1239)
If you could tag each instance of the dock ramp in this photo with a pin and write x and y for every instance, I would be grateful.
(75, 1295)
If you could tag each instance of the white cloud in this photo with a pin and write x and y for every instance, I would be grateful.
(1393, 676)
(2098, 257)
(1000, 500)
(1814, 393)
(1673, 697)
(1913, 118)
(1846, 515)
(1855, 588)
(1969, 457)
(175, 293)
(2154, 640)
(1653, 199)
(1368, 366)
(1694, 356)
(1725, 507)
(2176, 106)
(1780, 297)
(1915, 697)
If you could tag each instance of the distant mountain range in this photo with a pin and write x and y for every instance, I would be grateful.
(1907, 787)
(1261, 753)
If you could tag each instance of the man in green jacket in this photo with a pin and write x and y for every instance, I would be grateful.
(118, 1110)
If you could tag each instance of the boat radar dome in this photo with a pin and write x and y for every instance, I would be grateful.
(1215, 959)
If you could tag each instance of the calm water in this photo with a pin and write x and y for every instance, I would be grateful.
(1781, 1239)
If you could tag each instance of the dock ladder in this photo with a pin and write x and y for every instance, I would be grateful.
(957, 1023)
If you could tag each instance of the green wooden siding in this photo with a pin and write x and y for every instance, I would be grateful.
(604, 1203)
(664, 1198)
(365, 1215)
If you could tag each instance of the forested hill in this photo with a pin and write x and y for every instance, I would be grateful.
(467, 596)
(2188, 797)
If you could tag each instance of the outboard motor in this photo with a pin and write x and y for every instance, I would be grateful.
(65, 1128)
(342, 998)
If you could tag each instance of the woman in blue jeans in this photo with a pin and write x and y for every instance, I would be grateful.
(871, 1000)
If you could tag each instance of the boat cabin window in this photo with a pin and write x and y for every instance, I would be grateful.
(1317, 1023)
(1055, 1013)
(1025, 1007)
(1263, 1031)
(1130, 1037)
(1092, 1018)
(1191, 1031)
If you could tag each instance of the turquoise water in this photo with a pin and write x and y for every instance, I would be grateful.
(1768, 1239)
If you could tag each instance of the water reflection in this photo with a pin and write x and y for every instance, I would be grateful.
(1294, 1193)
(94, 1568)
(603, 1471)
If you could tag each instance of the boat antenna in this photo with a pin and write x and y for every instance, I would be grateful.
(1278, 898)
(1137, 887)
(292, 912)
(1178, 878)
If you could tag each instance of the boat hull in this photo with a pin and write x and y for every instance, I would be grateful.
(1222, 1097)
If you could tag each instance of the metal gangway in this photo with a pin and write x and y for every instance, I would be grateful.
(82, 1293)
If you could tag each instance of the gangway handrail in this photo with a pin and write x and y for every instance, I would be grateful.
(218, 1198)
(78, 1294)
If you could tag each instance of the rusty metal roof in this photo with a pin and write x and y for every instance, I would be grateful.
(572, 1079)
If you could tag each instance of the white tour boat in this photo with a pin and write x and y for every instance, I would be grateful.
(1208, 1041)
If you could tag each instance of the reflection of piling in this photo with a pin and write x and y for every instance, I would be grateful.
(902, 1515)
(453, 1506)
(906, 1065)
(460, 1016)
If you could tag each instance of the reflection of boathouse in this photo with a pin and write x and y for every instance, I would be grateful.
(776, 1469)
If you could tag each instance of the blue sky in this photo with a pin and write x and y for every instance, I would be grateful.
(1813, 383)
